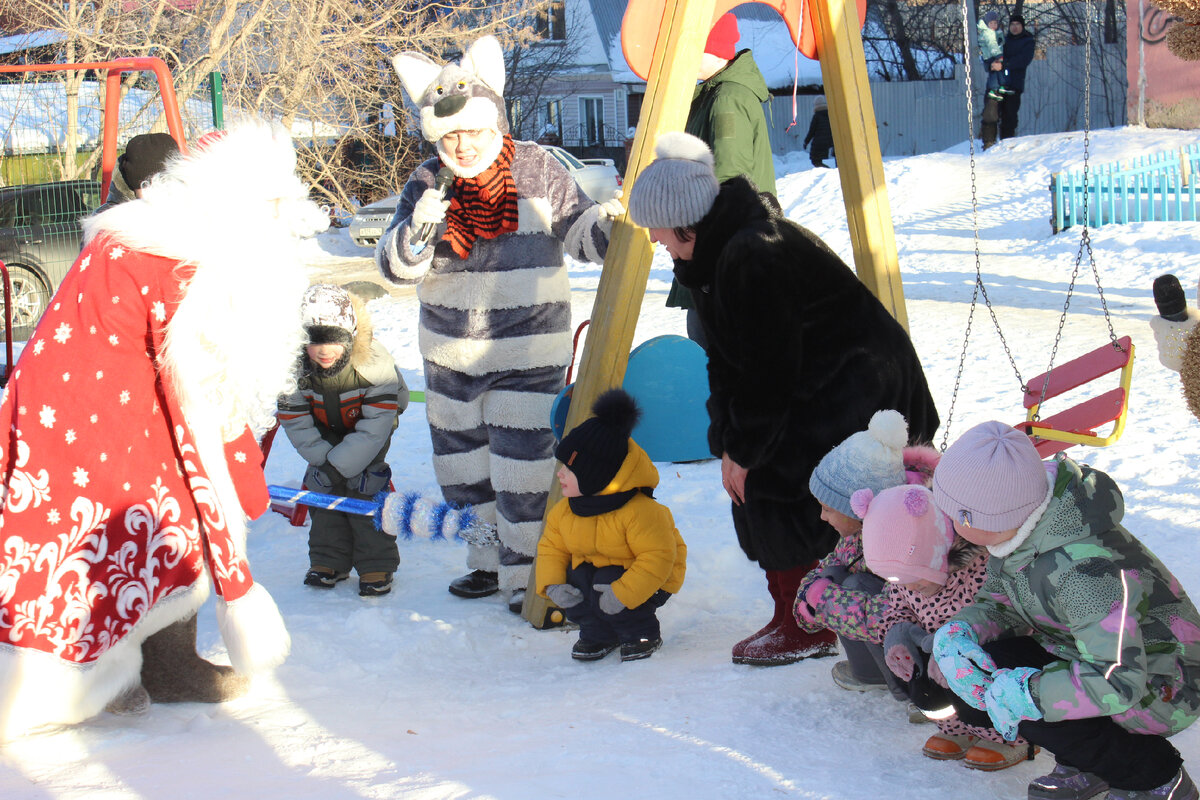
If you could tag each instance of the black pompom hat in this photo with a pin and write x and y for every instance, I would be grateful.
(597, 447)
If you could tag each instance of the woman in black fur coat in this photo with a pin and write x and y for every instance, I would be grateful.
(800, 356)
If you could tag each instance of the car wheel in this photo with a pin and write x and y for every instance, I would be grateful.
(29, 299)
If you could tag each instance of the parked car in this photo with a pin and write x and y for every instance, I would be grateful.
(39, 241)
(598, 177)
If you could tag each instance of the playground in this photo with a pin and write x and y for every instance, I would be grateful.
(422, 695)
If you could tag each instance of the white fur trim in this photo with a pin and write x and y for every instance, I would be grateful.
(485, 57)
(253, 631)
(514, 288)
(416, 72)
(481, 356)
(395, 258)
(679, 145)
(1006, 548)
(578, 241)
(1171, 338)
(479, 113)
(39, 689)
(462, 468)
(513, 577)
(520, 537)
(484, 558)
(521, 477)
(526, 411)
(448, 414)
(534, 215)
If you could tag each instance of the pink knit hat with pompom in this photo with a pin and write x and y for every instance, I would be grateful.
(905, 537)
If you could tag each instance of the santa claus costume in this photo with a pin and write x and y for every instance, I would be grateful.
(131, 463)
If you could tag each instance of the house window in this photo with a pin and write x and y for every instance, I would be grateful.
(591, 121)
(552, 125)
(551, 24)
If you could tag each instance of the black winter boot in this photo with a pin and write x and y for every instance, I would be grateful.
(477, 584)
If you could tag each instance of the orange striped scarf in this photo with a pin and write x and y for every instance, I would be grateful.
(485, 205)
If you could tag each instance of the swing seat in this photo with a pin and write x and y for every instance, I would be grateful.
(1079, 423)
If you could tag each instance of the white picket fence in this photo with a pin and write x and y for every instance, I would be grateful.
(916, 117)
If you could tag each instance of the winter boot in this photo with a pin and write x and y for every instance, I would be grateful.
(173, 673)
(1178, 788)
(844, 677)
(133, 702)
(739, 649)
(788, 643)
(948, 746)
(324, 577)
(1066, 783)
(990, 756)
(592, 651)
(479, 583)
(374, 584)
(642, 648)
(516, 601)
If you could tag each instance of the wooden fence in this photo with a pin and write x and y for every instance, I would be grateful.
(1157, 186)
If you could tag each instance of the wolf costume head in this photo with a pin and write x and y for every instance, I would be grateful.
(468, 95)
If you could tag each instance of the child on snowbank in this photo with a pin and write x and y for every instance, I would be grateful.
(610, 556)
(1080, 639)
(840, 594)
(932, 573)
(340, 420)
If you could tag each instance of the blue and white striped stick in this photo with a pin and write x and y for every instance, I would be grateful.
(405, 516)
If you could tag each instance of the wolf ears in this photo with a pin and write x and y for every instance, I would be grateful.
(484, 59)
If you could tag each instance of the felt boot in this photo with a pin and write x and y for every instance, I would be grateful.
(173, 673)
(787, 643)
(739, 649)
(991, 756)
(133, 702)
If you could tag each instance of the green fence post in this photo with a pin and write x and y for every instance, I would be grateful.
(218, 101)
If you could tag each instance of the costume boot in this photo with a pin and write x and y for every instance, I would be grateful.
(787, 643)
(739, 649)
(173, 673)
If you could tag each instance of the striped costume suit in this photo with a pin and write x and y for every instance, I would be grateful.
(495, 337)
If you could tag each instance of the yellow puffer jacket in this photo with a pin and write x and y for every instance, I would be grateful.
(639, 536)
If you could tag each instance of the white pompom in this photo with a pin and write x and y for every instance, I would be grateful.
(889, 429)
(680, 145)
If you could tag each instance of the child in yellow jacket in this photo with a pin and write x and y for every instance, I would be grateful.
(610, 555)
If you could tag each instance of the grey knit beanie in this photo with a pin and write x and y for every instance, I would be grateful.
(871, 459)
(678, 188)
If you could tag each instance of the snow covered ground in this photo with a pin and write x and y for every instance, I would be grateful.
(423, 695)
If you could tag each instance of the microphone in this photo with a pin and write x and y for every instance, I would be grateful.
(444, 183)
(1169, 297)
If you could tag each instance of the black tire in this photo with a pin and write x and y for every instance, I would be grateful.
(30, 296)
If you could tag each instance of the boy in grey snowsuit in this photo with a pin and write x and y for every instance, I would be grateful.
(340, 420)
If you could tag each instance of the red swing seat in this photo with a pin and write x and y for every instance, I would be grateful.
(1079, 423)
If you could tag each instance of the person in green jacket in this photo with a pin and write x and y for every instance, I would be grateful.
(340, 420)
(727, 114)
(1080, 639)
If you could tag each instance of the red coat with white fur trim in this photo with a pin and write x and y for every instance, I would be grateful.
(110, 519)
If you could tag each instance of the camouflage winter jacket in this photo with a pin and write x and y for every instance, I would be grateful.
(1097, 598)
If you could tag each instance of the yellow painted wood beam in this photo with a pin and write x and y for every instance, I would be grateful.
(856, 146)
(676, 63)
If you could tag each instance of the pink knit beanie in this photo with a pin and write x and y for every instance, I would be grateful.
(905, 537)
(991, 478)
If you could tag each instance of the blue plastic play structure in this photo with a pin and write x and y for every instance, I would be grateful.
(668, 377)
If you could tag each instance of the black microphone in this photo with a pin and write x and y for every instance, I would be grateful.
(444, 183)
(1169, 297)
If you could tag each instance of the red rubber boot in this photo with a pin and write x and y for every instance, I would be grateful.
(787, 643)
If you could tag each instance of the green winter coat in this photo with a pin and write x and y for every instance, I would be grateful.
(1094, 596)
(727, 113)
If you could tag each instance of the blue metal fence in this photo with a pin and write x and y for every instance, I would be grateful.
(1155, 187)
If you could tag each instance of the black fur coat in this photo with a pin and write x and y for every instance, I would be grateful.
(800, 355)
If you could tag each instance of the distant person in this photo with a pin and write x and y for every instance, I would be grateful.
(801, 355)
(727, 114)
(1019, 46)
(611, 555)
(340, 419)
(145, 156)
(991, 51)
(820, 134)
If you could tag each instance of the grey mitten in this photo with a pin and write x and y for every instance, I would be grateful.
(564, 595)
(608, 603)
(906, 648)
(322, 477)
(372, 480)
(836, 573)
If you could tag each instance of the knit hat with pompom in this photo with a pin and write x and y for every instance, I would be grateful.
(905, 537)
(595, 449)
(678, 188)
(871, 459)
